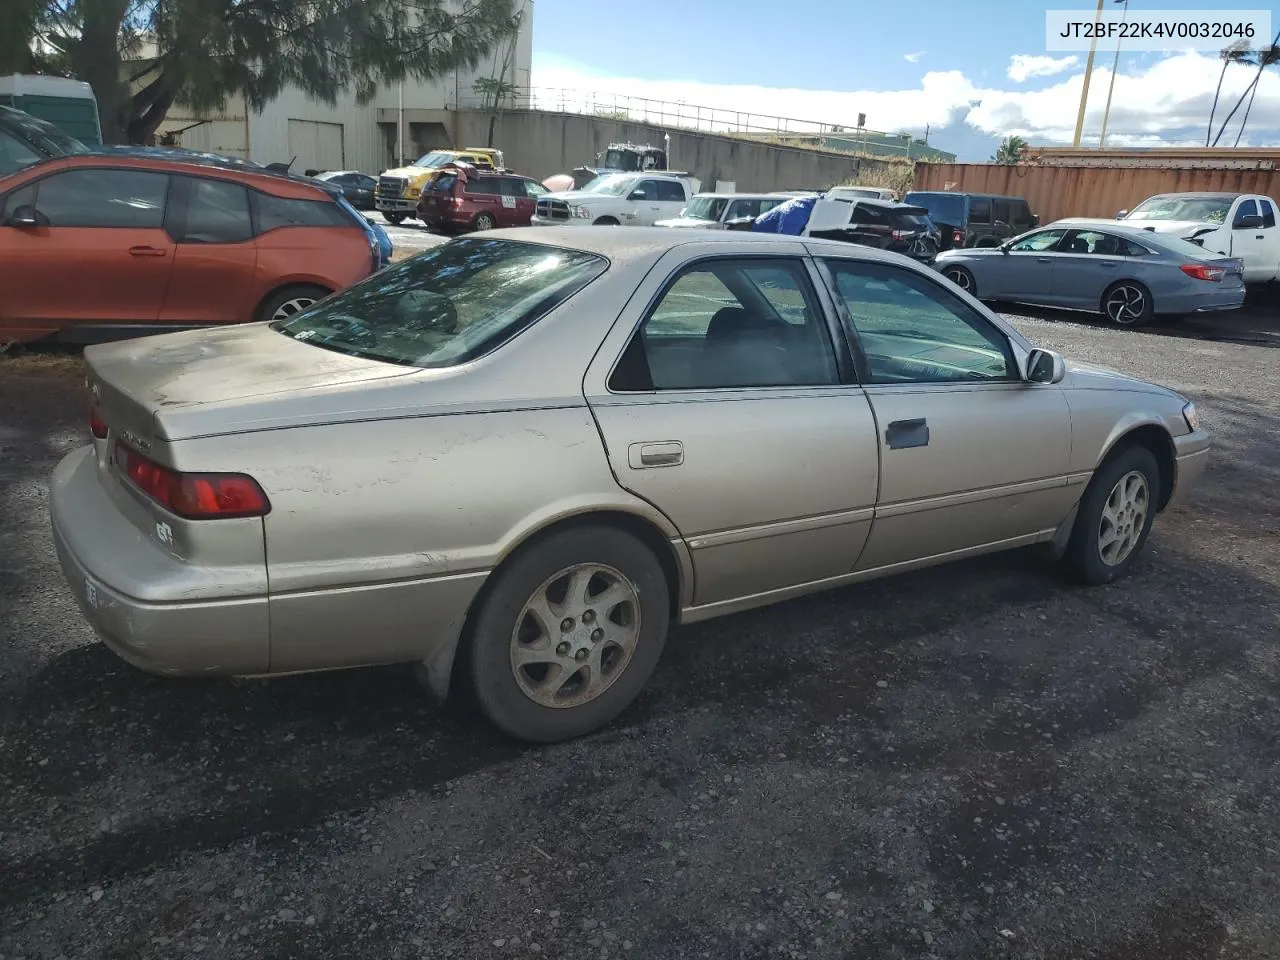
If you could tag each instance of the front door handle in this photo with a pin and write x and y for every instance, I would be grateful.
(904, 434)
(1044, 259)
(146, 252)
(664, 453)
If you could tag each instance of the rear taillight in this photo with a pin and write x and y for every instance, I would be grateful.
(195, 496)
(957, 236)
(901, 234)
(1201, 271)
(96, 425)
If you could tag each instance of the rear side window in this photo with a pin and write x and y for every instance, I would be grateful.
(444, 183)
(979, 210)
(487, 186)
(1003, 211)
(1021, 213)
(103, 198)
(669, 190)
(273, 212)
(216, 212)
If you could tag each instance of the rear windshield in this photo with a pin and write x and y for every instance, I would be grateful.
(449, 305)
(705, 208)
(942, 207)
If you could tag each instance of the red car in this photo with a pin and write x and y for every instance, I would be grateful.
(463, 197)
(101, 246)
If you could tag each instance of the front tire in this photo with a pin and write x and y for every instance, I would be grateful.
(483, 221)
(287, 301)
(569, 633)
(1128, 303)
(1114, 519)
(606, 222)
(963, 279)
(395, 219)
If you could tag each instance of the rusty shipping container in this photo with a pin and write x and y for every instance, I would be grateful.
(1056, 191)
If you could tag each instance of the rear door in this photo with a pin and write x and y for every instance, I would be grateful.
(1025, 271)
(722, 400)
(1088, 262)
(516, 206)
(215, 254)
(99, 254)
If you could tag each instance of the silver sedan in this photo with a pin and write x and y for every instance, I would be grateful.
(1128, 274)
(529, 453)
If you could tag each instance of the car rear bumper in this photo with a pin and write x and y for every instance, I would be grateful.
(1206, 301)
(99, 550)
(1191, 456)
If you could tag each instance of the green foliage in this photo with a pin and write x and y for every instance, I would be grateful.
(203, 51)
(1010, 151)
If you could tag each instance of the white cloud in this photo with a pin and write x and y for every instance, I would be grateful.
(1165, 101)
(1023, 66)
(914, 57)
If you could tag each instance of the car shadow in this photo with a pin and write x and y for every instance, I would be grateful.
(1256, 324)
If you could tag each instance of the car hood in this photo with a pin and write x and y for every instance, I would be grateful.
(1089, 376)
(182, 380)
(970, 252)
(576, 196)
(1177, 228)
(408, 173)
(686, 222)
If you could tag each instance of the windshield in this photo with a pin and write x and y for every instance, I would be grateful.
(621, 160)
(447, 306)
(1205, 209)
(705, 208)
(436, 158)
(613, 185)
(943, 207)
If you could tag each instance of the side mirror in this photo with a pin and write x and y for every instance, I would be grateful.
(1249, 222)
(24, 217)
(636, 195)
(1035, 220)
(1121, 214)
(1045, 366)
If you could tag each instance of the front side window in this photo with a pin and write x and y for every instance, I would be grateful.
(1003, 211)
(217, 212)
(610, 186)
(731, 323)
(669, 191)
(103, 198)
(1198, 209)
(482, 185)
(1247, 208)
(1268, 213)
(911, 330)
(1038, 242)
(449, 305)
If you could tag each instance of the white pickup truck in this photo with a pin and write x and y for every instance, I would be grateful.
(1241, 225)
(626, 199)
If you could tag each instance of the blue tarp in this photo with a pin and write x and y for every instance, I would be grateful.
(790, 218)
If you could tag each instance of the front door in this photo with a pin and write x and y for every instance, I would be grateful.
(727, 410)
(970, 455)
(645, 208)
(215, 256)
(1254, 245)
(1025, 270)
(98, 255)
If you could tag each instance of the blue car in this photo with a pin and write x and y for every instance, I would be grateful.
(373, 231)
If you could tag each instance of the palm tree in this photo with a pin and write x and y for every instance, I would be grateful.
(1010, 151)
(1238, 52)
(1264, 59)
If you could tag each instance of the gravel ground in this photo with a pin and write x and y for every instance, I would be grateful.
(974, 761)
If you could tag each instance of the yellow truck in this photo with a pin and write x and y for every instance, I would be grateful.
(396, 195)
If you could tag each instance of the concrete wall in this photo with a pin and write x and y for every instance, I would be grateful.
(540, 144)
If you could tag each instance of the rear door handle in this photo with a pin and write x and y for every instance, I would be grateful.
(1044, 259)
(146, 252)
(904, 434)
(664, 453)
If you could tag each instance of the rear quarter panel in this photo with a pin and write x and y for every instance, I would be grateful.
(330, 257)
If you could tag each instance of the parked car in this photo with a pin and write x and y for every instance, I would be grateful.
(398, 190)
(884, 224)
(163, 243)
(357, 187)
(26, 140)
(862, 193)
(1128, 274)
(1240, 225)
(520, 443)
(615, 199)
(463, 197)
(974, 219)
(715, 211)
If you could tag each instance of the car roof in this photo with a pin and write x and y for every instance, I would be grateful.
(966, 193)
(1198, 195)
(195, 164)
(886, 204)
(738, 196)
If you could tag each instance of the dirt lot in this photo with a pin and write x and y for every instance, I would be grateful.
(975, 761)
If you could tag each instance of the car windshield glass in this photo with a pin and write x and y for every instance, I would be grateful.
(942, 207)
(705, 208)
(1201, 209)
(621, 160)
(44, 136)
(447, 306)
(611, 186)
(436, 158)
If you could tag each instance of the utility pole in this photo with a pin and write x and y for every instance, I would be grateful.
(400, 126)
(1115, 65)
(1088, 73)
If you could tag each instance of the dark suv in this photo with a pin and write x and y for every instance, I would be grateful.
(974, 219)
(898, 227)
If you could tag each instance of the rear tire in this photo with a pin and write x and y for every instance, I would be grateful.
(395, 219)
(606, 222)
(573, 667)
(1127, 303)
(1114, 519)
(287, 301)
(963, 279)
(483, 221)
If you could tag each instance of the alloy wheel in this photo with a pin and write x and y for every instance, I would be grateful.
(292, 306)
(1126, 304)
(1124, 517)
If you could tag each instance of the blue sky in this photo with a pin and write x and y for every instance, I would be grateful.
(973, 72)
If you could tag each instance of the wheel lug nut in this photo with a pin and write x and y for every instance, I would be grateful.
(581, 654)
(563, 647)
(597, 635)
(566, 624)
(588, 616)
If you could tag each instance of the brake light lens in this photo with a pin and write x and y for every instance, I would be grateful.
(1202, 271)
(901, 234)
(96, 425)
(957, 236)
(194, 496)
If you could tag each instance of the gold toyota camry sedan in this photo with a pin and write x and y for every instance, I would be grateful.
(518, 458)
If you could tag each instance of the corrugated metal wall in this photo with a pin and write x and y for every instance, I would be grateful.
(1057, 192)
